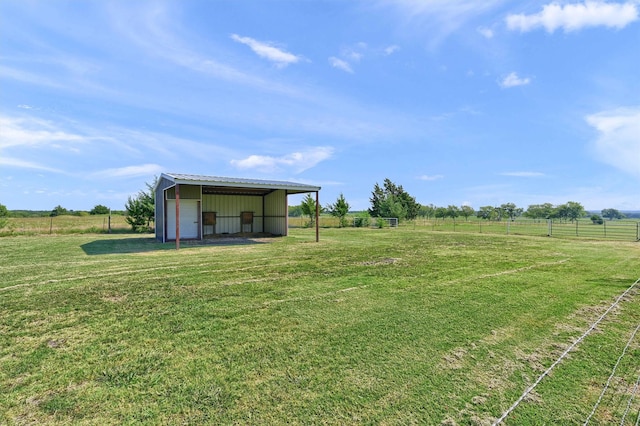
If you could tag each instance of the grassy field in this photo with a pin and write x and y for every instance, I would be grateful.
(64, 225)
(390, 326)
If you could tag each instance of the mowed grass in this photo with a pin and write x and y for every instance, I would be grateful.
(390, 326)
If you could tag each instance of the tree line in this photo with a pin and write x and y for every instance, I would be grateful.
(391, 200)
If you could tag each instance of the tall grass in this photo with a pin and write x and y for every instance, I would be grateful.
(369, 326)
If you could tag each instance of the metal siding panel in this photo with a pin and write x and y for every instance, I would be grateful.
(228, 209)
(159, 207)
(275, 212)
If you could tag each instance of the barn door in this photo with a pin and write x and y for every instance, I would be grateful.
(189, 219)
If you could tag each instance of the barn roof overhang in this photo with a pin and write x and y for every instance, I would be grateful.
(238, 186)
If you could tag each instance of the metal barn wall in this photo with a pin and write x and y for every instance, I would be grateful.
(187, 192)
(228, 209)
(159, 218)
(275, 207)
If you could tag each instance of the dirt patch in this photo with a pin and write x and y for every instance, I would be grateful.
(115, 298)
(454, 359)
(56, 343)
(385, 261)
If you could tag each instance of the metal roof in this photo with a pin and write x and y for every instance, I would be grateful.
(228, 185)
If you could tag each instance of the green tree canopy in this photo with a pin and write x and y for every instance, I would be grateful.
(140, 210)
(466, 212)
(100, 209)
(540, 211)
(427, 211)
(612, 214)
(392, 201)
(308, 207)
(453, 211)
(339, 209)
(486, 212)
(4, 214)
(59, 211)
(510, 210)
(571, 210)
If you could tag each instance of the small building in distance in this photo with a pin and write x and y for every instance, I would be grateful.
(193, 207)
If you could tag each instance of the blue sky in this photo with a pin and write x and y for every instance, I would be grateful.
(459, 101)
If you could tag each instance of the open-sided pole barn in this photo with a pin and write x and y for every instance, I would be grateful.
(192, 207)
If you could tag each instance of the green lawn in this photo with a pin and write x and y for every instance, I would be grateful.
(390, 326)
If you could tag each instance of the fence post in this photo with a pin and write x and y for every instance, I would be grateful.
(637, 231)
(605, 228)
(549, 227)
(576, 227)
(51, 226)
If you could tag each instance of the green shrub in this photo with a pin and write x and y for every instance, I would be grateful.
(362, 220)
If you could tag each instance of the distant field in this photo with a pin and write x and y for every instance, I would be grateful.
(368, 326)
(63, 225)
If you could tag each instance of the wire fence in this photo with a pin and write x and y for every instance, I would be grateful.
(621, 230)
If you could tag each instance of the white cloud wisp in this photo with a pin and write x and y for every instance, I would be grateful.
(297, 161)
(573, 17)
(513, 80)
(619, 141)
(268, 51)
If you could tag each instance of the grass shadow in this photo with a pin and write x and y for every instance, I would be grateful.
(148, 244)
(124, 245)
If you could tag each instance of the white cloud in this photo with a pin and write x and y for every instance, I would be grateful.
(391, 49)
(523, 174)
(513, 80)
(340, 64)
(430, 177)
(297, 161)
(573, 17)
(31, 132)
(129, 171)
(619, 141)
(486, 32)
(268, 51)
(17, 163)
(439, 18)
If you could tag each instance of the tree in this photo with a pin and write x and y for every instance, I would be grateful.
(441, 212)
(100, 209)
(453, 212)
(393, 201)
(486, 212)
(141, 209)
(58, 211)
(571, 210)
(510, 210)
(612, 214)
(4, 214)
(308, 207)
(466, 212)
(339, 209)
(295, 211)
(540, 211)
(427, 211)
(575, 210)
(596, 219)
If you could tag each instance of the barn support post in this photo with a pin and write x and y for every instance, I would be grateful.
(317, 216)
(177, 216)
